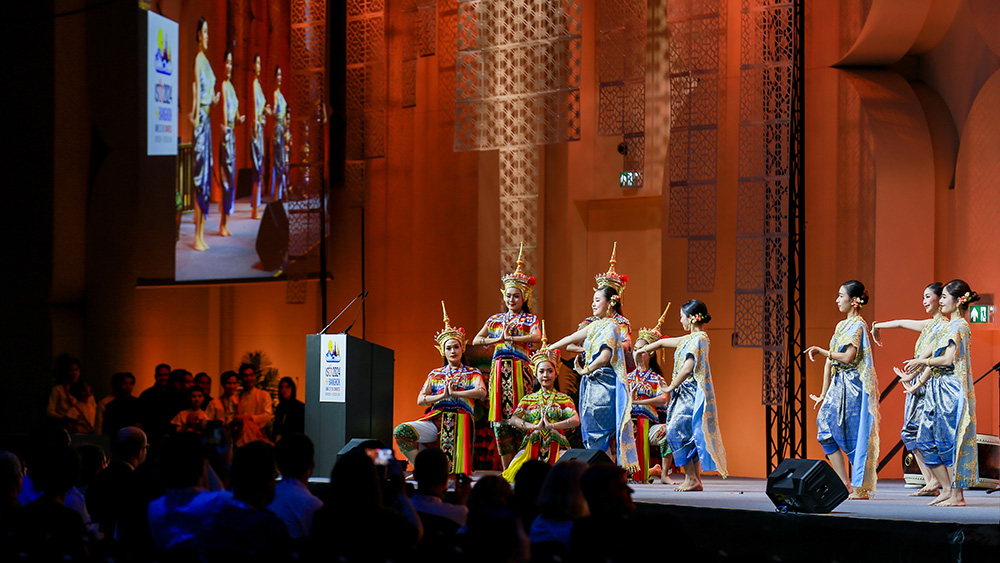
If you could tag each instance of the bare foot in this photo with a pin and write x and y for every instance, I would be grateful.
(692, 487)
(858, 496)
(945, 495)
(200, 246)
(925, 492)
(224, 231)
(952, 502)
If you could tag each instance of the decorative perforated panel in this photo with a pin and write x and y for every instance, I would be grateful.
(696, 29)
(621, 67)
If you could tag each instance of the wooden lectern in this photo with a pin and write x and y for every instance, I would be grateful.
(349, 384)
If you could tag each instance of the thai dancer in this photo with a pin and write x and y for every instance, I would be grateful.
(450, 391)
(946, 436)
(692, 435)
(205, 97)
(912, 410)
(227, 150)
(613, 279)
(261, 110)
(513, 332)
(545, 414)
(605, 403)
(279, 149)
(646, 385)
(848, 405)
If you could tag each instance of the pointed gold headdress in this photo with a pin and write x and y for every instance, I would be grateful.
(653, 334)
(544, 354)
(611, 278)
(448, 332)
(518, 279)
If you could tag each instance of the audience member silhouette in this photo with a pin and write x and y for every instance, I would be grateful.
(51, 530)
(492, 532)
(121, 408)
(157, 405)
(353, 524)
(560, 503)
(71, 404)
(111, 498)
(290, 414)
(204, 382)
(293, 503)
(606, 534)
(527, 484)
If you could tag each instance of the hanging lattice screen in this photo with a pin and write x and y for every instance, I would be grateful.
(517, 85)
(366, 79)
(621, 69)
(697, 42)
(305, 174)
(766, 62)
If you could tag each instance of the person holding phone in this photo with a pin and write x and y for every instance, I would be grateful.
(450, 391)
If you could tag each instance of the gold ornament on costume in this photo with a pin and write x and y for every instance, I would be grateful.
(611, 278)
(448, 332)
(651, 335)
(518, 279)
(544, 354)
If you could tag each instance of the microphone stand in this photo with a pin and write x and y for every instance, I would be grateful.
(329, 324)
(364, 296)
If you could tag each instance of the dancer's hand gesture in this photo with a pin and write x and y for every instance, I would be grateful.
(817, 400)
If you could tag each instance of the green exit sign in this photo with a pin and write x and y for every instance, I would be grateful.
(981, 314)
(630, 179)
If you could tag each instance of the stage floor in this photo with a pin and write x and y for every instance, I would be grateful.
(891, 502)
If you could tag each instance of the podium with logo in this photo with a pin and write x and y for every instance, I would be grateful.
(349, 383)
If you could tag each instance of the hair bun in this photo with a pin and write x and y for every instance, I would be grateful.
(707, 319)
(973, 297)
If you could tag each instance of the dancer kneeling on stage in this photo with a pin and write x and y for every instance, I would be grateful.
(692, 427)
(946, 436)
(450, 391)
(848, 405)
(648, 399)
(544, 414)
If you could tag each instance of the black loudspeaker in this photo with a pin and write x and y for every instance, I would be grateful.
(805, 485)
(272, 236)
(244, 182)
(590, 457)
(362, 443)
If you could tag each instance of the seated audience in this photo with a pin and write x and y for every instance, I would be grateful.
(527, 484)
(293, 503)
(111, 498)
(492, 531)
(120, 408)
(560, 503)
(245, 525)
(353, 524)
(290, 414)
(606, 534)
(42, 440)
(92, 462)
(431, 473)
(52, 531)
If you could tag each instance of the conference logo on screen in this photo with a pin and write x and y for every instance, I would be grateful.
(163, 60)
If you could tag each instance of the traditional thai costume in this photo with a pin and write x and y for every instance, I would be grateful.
(279, 169)
(510, 375)
(605, 402)
(647, 384)
(849, 416)
(947, 431)
(450, 420)
(545, 444)
(203, 132)
(912, 409)
(257, 141)
(227, 151)
(692, 428)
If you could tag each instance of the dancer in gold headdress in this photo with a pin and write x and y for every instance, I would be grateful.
(450, 391)
(513, 332)
(544, 414)
(645, 383)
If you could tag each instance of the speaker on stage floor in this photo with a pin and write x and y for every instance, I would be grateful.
(590, 457)
(272, 236)
(362, 443)
(805, 485)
